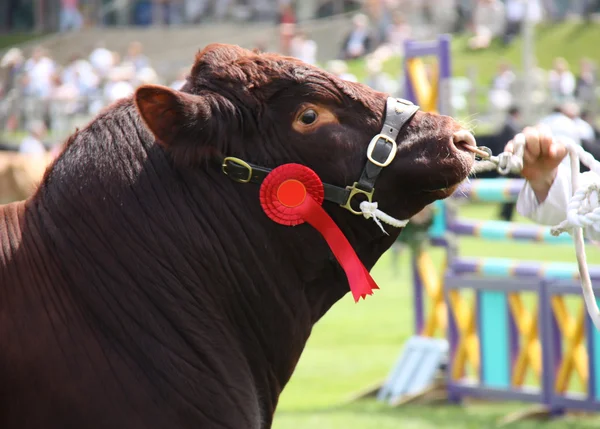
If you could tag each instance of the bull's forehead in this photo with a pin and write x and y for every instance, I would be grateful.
(232, 63)
(232, 68)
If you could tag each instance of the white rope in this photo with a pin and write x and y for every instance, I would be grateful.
(576, 220)
(583, 209)
(370, 210)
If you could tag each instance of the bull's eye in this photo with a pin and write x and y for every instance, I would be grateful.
(308, 117)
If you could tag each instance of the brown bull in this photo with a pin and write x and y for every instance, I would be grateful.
(142, 287)
(20, 174)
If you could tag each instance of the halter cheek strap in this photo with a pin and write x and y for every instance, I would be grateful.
(380, 153)
(383, 147)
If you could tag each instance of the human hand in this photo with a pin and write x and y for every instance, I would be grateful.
(541, 158)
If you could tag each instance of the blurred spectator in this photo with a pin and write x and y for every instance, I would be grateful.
(39, 70)
(500, 91)
(13, 62)
(32, 142)
(586, 82)
(585, 130)
(488, 22)
(304, 48)
(398, 33)
(516, 11)
(561, 81)
(101, 59)
(359, 40)
(119, 84)
(561, 121)
(70, 16)
(80, 73)
(65, 103)
(512, 126)
(587, 117)
(591, 145)
(464, 12)
(380, 13)
(136, 57)
(286, 19)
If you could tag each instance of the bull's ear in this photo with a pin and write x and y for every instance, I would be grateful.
(180, 122)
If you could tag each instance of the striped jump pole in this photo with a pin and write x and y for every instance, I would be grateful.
(502, 230)
(433, 96)
(490, 190)
(516, 330)
(511, 268)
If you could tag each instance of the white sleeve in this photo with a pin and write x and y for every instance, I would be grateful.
(554, 208)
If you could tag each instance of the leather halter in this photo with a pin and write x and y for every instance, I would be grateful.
(380, 153)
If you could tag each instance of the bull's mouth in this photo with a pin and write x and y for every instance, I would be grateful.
(464, 148)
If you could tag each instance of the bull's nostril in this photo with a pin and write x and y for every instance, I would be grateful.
(464, 140)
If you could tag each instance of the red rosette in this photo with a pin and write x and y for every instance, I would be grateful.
(284, 190)
(292, 194)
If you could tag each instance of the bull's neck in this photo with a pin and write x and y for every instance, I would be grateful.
(196, 276)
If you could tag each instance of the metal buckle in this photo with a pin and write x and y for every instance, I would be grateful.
(355, 191)
(238, 162)
(372, 145)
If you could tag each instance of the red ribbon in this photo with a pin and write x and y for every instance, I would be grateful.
(291, 195)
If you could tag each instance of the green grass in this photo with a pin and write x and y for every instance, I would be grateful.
(569, 40)
(572, 41)
(355, 345)
(12, 39)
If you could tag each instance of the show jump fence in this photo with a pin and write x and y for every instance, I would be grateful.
(516, 330)
(511, 329)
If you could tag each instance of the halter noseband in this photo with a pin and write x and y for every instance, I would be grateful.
(380, 153)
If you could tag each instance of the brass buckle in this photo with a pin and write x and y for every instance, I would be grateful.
(371, 148)
(355, 191)
(238, 162)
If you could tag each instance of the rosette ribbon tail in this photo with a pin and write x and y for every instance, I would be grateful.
(360, 281)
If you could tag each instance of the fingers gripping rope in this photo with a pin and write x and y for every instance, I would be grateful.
(583, 209)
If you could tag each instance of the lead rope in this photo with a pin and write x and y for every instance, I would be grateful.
(580, 210)
(370, 210)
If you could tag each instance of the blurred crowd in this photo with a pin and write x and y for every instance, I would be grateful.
(485, 18)
(50, 95)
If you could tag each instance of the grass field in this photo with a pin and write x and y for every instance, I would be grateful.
(570, 40)
(355, 345)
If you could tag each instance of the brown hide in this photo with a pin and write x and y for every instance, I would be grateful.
(140, 287)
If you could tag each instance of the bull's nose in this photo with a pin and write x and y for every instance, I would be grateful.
(464, 140)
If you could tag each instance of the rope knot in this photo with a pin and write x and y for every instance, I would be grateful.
(370, 210)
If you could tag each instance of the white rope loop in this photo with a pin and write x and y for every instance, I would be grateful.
(370, 210)
(583, 209)
(574, 206)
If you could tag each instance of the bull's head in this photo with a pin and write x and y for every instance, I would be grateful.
(271, 110)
